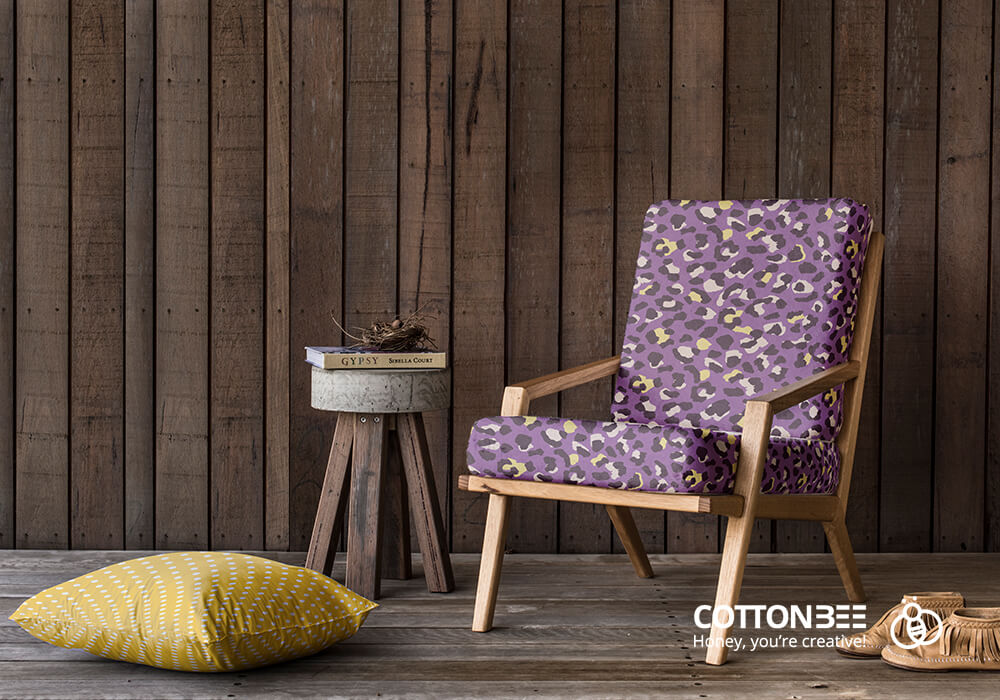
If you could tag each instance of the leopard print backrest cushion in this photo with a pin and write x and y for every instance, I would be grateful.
(732, 299)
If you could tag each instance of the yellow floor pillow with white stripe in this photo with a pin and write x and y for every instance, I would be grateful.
(196, 611)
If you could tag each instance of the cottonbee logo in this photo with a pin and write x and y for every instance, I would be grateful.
(781, 616)
(915, 620)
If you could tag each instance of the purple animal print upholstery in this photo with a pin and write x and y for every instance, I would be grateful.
(641, 456)
(731, 299)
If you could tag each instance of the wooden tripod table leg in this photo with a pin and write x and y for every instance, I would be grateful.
(364, 530)
(329, 515)
(424, 503)
(396, 546)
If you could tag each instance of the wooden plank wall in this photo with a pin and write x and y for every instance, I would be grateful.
(189, 191)
(97, 236)
(7, 287)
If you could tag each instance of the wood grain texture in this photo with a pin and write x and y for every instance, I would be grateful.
(907, 431)
(804, 101)
(333, 498)
(837, 535)
(696, 166)
(316, 238)
(860, 346)
(96, 275)
(797, 507)
(237, 285)
(962, 283)
(418, 477)
(697, 97)
(397, 560)
(586, 305)
(992, 507)
(642, 157)
(739, 530)
(796, 392)
(371, 166)
(140, 272)
(628, 533)
(856, 171)
(803, 113)
(182, 275)
(42, 286)
(569, 378)
(446, 686)
(836, 531)
(751, 165)
(642, 162)
(515, 402)
(7, 270)
(804, 106)
(425, 194)
(277, 356)
(371, 139)
(620, 639)
(533, 227)
(843, 555)
(479, 256)
(680, 502)
(491, 562)
(364, 529)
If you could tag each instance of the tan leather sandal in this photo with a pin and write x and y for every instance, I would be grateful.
(967, 640)
(870, 643)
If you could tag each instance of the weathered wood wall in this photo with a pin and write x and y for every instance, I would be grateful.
(188, 190)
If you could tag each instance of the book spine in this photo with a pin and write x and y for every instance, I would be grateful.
(383, 361)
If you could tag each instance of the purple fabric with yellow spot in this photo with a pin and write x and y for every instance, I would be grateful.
(731, 299)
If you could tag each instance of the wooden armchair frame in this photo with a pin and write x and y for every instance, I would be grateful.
(742, 507)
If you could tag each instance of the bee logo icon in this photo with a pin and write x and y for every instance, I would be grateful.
(921, 627)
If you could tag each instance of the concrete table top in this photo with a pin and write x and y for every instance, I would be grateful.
(381, 390)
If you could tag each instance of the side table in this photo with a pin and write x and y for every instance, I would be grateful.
(380, 436)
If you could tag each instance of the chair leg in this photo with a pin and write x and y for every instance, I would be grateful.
(624, 524)
(843, 555)
(489, 567)
(734, 558)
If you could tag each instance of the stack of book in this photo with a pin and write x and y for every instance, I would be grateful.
(369, 358)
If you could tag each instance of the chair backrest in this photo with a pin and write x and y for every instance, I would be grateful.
(735, 298)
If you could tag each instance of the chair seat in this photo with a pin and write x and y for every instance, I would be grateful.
(641, 456)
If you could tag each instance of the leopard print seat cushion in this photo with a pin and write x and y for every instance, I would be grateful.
(731, 299)
(641, 456)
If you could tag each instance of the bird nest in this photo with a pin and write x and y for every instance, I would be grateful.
(399, 335)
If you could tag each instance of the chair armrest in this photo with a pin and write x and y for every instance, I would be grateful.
(757, 420)
(797, 392)
(516, 397)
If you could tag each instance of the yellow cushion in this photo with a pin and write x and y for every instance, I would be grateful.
(196, 611)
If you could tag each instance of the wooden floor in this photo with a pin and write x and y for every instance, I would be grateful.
(568, 626)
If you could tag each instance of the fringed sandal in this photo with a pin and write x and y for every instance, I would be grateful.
(968, 640)
(870, 643)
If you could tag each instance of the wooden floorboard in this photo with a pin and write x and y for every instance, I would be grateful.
(567, 626)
